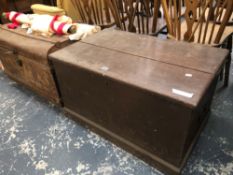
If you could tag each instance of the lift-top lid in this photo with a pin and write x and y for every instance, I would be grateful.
(33, 46)
(189, 55)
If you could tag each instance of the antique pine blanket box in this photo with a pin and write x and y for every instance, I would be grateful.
(147, 95)
(25, 59)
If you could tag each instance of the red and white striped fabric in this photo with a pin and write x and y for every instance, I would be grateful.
(17, 18)
(49, 25)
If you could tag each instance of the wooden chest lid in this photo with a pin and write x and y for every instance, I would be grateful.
(33, 46)
(178, 84)
(193, 56)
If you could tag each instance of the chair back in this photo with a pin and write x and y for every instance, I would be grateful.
(138, 16)
(96, 12)
(172, 14)
(204, 21)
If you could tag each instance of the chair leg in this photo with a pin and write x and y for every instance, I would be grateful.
(228, 63)
(221, 75)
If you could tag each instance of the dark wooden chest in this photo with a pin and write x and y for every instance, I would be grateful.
(25, 59)
(147, 95)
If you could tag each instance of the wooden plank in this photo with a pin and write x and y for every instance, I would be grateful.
(192, 56)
